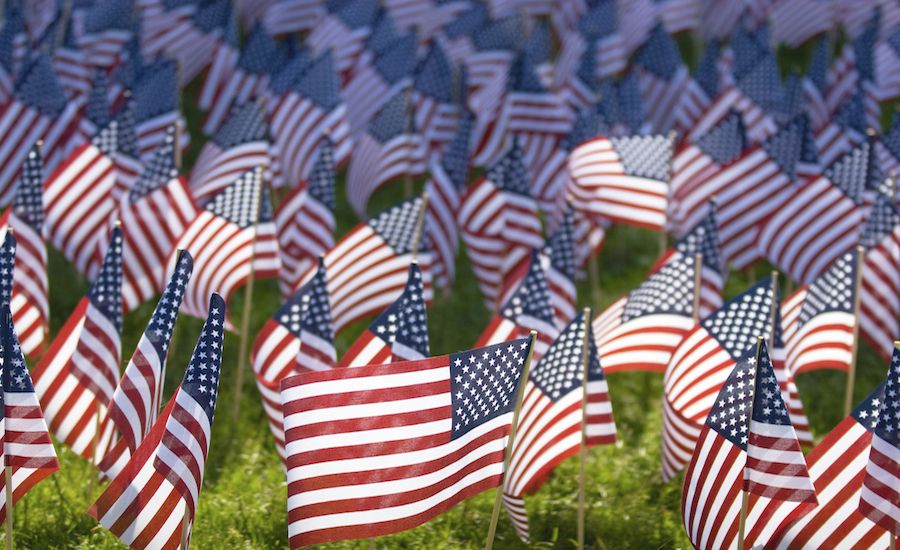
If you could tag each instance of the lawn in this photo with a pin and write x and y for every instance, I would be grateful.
(244, 496)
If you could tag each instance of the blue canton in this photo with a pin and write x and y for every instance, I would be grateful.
(669, 290)
(322, 178)
(532, 297)
(397, 226)
(768, 403)
(737, 323)
(405, 321)
(106, 291)
(15, 372)
(28, 204)
(162, 323)
(309, 309)
(7, 268)
(201, 380)
(243, 202)
(703, 238)
(320, 84)
(158, 171)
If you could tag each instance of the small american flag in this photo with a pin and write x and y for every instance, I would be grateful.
(793, 22)
(701, 89)
(168, 465)
(728, 446)
(527, 307)
(879, 305)
(224, 55)
(156, 106)
(70, 62)
(625, 180)
(290, 16)
(305, 221)
(663, 77)
(819, 319)
(298, 338)
(561, 271)
(389, 149)
(30, 305)
(344, 31)
(838, 467)
(95, 361)
(450, 406)
(189, 38)
(27, 448)
(551, 425)
(500, 223)
(642, 330)
(231, 237)
(107, 27)
(400, 333)
(128, 165)
(138, 396)
(701, 364)
(306, 114)
(437, 112)
(239, 145)
(880, 495)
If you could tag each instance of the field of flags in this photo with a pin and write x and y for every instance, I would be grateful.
(454, 273)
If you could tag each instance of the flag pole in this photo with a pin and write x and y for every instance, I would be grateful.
(248, 305)
(774, 312)
(498, 499)
(9, 508)
(185, 528)
(420, 226)
(177, 144)
(698, 281)
(851, 368)
(745, 496)
(582, 449)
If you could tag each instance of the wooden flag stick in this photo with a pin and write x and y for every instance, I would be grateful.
(185, 528)
(248, 305)
(698, 281)
(851, 368)
(582, 448)
(774, 312)
(745, 495)
(420, 226)
(9, 508)
(498, 500)
(177, 144)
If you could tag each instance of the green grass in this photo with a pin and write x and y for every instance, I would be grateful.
(243, 501)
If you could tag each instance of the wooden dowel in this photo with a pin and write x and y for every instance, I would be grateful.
(185, 528)
(698, 282)
(582, 449)
(854, 350)
(9, 508)
(498, 500)
(420, 226)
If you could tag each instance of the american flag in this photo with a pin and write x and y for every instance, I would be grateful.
(95, 361)
(77, 375)
(425, 16)
(437, 112)
(305, 221)
(793, 22)
(562, 268)
(146, 503)
(70, 62)
(552, 422)
(574, 78)
(643, 329)
(10, 34)
(78, 200)
(224, 55)
(680, 15)
(837, 466)
(290, 16)
(527, 307)
(232, 237)
(487, 66)
(27, 447)
(701, 89)
(820, 219)
(880, 495)
(879, 306)
(457, 36)
(154, 213)
(625, 179)
(156, 106)
(372, 86)
(663, 77)
(240, 144)
(367, 268)
(449, 175)
(702, 363)
(38, 109)
(30, 306)
(600, 28)
(344, 31)
(820, 318)
(500, 223)
(453, 408)
(814, 83)
(400, 333)
(261, 54)
(887, 60)
(107, 27)
(138, 396)
(738, 453)
(390, 148)
(307, 113)
(298, 338)
(97, 110)
(128, 165)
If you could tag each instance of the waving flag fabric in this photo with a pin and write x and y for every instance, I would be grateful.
(437, 111)
(344, 31)
(701, 364)
(290, 16)
(305, 221)
(298, 338)
(107, 27)
(879, 306)
(551, 422)
(138, 396)
(145, 504)
(30, 306)
(231, 237)
(27, 448)
(426, 406)
(642, 330)
(499, 223)
(400, 333)
(747, 442)
(76, 376)
(663, 78)
(156, 106)
(561, 271)
(625, 180)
